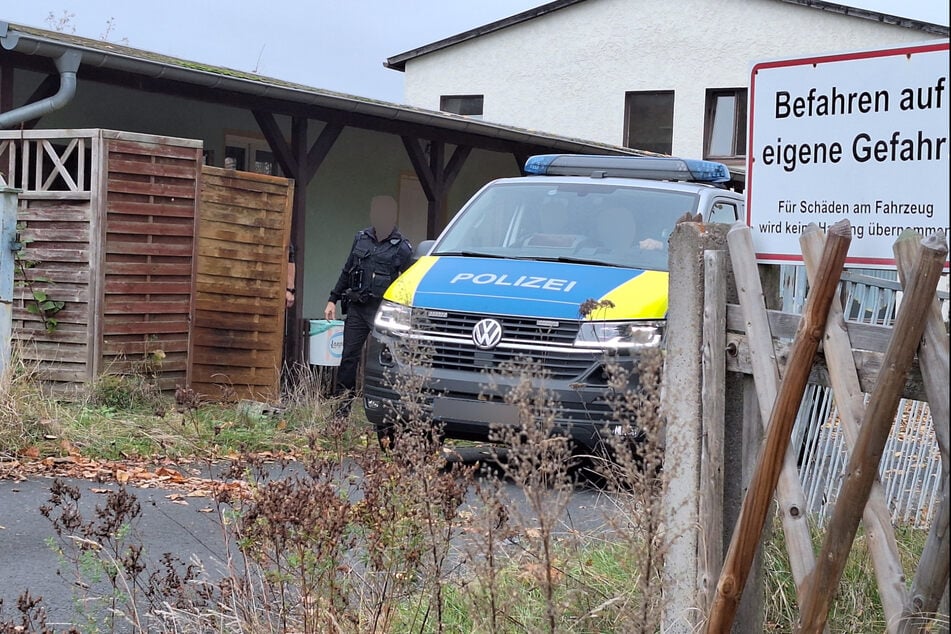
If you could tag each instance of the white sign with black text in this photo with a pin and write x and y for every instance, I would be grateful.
(859, 136)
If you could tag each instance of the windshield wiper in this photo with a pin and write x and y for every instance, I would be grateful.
(470, 254)
(570, 260)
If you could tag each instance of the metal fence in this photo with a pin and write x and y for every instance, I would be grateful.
(910, 470)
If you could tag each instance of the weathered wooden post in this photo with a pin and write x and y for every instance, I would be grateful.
(749, 528)
(931, 578)
(712, 437)
(684, 411)
(8, 221)
(792, 500)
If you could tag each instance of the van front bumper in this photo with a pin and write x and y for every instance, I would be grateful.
(474, 404)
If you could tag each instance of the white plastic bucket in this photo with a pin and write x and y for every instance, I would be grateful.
(326, 342)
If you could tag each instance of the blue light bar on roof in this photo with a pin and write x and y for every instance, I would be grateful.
(648, 167)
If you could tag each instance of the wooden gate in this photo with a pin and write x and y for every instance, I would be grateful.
(706, 481)
(240, 275)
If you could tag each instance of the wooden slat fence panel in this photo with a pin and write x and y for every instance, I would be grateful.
(151, 188)
(241, 269)
(108, 218)
(56, 217)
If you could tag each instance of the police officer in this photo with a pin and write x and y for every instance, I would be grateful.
(378, 255)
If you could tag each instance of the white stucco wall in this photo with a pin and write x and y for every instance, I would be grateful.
(567, 72)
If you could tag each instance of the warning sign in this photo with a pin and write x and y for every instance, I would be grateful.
(859, 136)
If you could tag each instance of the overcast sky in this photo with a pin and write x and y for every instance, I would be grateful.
(332, 44)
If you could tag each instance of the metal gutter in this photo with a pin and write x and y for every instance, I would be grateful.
(67, 64)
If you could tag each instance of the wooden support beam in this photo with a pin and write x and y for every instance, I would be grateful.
(294, 342)
(435, 175)
(933, 350)
(300, 163)
(749, 528)
(867, 453)
(454, 166)
(319, 150)
(520, 159)
(417, 157)
(435, 207)
(276, 141)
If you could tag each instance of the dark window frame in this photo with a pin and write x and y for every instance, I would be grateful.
(738, 138)
(662, 145)
(475, 102)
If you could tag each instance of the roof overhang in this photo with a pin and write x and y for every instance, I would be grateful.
(398, 62)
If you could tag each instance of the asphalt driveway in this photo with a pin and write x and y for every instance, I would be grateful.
(173, 520)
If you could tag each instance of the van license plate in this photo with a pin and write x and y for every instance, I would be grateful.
(474, 411)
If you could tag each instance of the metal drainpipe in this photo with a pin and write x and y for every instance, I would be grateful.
(67, 64)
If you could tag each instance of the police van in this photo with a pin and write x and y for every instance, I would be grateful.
(513, 276)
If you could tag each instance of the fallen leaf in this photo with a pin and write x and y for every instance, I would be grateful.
(31, 452)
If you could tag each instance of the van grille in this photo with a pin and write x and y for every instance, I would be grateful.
(539, 340)
(516, 329)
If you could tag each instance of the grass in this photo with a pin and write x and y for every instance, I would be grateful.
(857, 608)
(408, 547)
(123, 416)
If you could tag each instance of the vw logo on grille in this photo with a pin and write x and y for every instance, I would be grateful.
(487, 334)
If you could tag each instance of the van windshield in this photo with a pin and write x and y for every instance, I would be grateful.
(614, 225)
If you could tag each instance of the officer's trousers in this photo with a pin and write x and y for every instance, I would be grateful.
(356, 328)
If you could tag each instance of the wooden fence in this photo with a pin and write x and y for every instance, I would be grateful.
(134, 277)
(107, 222)
(240, 276)
(723, 386)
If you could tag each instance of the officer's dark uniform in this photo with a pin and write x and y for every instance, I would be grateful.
(369, 270)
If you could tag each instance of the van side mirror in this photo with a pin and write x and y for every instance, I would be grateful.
(423, 248)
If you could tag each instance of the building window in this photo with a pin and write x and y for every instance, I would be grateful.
(725, 124)
(468, 105)
(649, 121)
(249, 154)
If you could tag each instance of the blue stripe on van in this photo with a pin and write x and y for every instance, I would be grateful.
(553, 290)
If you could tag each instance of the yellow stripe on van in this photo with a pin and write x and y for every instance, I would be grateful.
(642, 297)
(404, 288)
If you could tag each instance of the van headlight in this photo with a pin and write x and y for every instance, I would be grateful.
(620, 334)
(393, 317)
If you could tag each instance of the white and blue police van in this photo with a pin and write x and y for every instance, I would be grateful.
(506, 280)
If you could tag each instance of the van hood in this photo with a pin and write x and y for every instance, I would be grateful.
(533, 288)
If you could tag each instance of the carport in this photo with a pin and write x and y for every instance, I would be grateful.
(437, 144)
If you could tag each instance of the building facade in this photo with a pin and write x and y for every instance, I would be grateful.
(656, 75)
